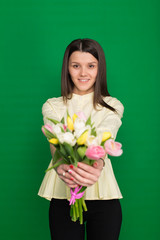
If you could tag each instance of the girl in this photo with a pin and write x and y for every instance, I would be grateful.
(84, 88)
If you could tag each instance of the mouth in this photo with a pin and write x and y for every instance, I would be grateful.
(83, 80)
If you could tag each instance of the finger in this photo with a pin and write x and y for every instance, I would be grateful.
(68, 181)
(86, 168)
(80, 174)
(91, 172)
(98, 164)
(72, 185)
(63, 167)
(84, 179)
(62, 170)
(84, 182)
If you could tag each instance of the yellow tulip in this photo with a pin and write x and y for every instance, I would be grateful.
(74, 117)
(53, 140)
(82, 139)
(106, 136)
(70, 123)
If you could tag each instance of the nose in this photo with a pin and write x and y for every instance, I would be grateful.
(83, 71)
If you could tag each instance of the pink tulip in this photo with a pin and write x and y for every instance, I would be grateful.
(64, 127)
(113, 148)
(95, 152)
(48, 127)
(81, 116)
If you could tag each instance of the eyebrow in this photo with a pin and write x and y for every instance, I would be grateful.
(78, 63)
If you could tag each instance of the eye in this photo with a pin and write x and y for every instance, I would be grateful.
(75, 66)
(91, 66)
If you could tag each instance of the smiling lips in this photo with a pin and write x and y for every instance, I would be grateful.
(83, 80)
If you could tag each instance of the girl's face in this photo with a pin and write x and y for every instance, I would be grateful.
(83, 69)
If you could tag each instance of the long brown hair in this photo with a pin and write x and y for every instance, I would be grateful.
(100, 87)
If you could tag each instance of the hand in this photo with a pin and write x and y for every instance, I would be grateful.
(86, 175)
(63, 173)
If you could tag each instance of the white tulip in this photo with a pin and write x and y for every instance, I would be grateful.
(78, 132)
(92, 140)
(68, 138)
(79, 124)
(57, 129)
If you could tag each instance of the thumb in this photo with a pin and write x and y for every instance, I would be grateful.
(98, 164)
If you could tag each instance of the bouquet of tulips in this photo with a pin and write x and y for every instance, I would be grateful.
(76, 140)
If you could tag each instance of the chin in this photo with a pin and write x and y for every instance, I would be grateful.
(83, 91)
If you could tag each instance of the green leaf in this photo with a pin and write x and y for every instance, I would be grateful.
(56, 165)
(63, 152)
(68, 114)
(62, 129)
(81, 151)
(62, 149)
(59, 163)
(88, 161)
(56, 156)
(91, 162)
(53, 120)
(48, 169)
(77, 156)
(102, 143)
(62, 120)
(88, 122)
(48, 134)
(69, 150)
(93, 132)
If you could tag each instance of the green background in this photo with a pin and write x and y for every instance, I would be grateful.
(34, 35)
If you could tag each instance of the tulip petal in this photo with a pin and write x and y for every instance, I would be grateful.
(81, 116)
(74, 117)
(83, 138)
(53, 140)
(105, 136)
(113, 148)
(70, 123)
(95, 152)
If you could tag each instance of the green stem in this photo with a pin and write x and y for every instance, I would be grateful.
(84, 205)
(71, 211)
(74, 215)
(76, 208)
(49, 169)
(80, 212)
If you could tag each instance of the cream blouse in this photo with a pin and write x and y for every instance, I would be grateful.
(104, 120)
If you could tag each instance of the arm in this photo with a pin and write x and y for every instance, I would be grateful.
(108, 120)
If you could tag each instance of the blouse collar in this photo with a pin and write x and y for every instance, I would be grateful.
(85, 96)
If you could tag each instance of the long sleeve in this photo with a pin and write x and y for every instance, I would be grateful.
(48, 111)
(109, 120)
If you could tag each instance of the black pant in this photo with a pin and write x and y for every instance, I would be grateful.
(103, 220)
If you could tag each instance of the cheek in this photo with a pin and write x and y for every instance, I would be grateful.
(72, 73)
(94, 74)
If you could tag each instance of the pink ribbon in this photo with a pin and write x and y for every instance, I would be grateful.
(75, 195)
